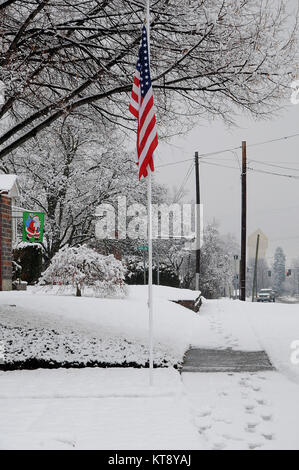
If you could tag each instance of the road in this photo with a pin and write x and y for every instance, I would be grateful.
(287, 300)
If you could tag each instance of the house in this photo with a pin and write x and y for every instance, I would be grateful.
(9, 191)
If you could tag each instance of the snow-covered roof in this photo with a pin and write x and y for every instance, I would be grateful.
(9, 185)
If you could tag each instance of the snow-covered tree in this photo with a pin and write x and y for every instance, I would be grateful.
(208, 56)
(82, 267)
(279, 270)
(216, 269)
(67, 172)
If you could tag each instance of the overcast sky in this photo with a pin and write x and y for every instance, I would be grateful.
(273, 201)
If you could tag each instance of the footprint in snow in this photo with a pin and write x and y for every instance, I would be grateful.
(220, 445)
(266, 431)
(231, 437)
(254, 445)
(266, 416)
(222, 394)
(223, 420)
(244, 383)
(249, 406)
(202, 429)
(261, 401)
(251, 426)
(204, 412)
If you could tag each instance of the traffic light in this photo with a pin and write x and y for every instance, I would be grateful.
(289, 272)
(269, 274)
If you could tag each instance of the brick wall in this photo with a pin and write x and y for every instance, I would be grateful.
(6, 239)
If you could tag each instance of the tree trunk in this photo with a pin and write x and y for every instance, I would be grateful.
(78, 291)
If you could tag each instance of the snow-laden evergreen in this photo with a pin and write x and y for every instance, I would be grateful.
(279, 270)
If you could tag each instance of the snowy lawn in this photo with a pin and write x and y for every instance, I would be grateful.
(72, 330)
(94, 409)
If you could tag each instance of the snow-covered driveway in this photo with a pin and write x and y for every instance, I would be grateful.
(247, 410)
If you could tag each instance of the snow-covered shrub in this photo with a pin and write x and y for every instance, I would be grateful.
(87, 271)
(135, 272)
(28, 256)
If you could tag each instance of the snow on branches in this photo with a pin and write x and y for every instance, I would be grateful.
(82, 267)
(208, 57)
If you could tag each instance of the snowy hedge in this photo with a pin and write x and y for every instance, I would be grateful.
(86, 271)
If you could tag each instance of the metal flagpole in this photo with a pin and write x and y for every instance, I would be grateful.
(150, 276)
(149, 227)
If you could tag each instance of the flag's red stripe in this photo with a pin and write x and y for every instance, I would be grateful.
(147, 133)
(134, 111)
(148, 161)
(134, 96)
(148, 107)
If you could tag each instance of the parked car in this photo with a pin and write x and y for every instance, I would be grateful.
(266, 295)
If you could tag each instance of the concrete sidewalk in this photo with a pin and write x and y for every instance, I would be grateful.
(226, 360)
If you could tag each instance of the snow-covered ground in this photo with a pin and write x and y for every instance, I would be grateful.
(94, 409)
(247, 410)
(250, 326)
(115, 408)
(83, 330)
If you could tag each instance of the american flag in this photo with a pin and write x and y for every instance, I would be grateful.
(142, 107)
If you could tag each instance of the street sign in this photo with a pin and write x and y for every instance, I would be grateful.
(33, 226)
(142, 247)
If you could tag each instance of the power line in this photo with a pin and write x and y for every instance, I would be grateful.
(220, 165)
(274, 165)
(185, 180)
(274, 140)
(272, 173)
(232, 149)
(174, 163)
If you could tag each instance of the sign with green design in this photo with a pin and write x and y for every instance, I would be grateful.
(33, 226)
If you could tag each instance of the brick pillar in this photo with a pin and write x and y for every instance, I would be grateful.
(6, 242)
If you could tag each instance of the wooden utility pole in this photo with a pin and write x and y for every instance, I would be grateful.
(243, 224)
(254, 286)
(197, 182)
